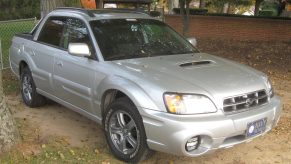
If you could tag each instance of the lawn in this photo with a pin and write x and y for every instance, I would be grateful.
(7, 30)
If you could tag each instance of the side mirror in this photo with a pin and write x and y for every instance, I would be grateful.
(193, 41)
(79, 49)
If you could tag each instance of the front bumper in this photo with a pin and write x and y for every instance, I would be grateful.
(169, 133)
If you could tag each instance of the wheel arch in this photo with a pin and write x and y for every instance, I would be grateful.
(109, 96)
(141, 149)
(22, 64)
(116, 87)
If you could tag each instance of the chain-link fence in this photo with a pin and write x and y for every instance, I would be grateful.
(7, 30)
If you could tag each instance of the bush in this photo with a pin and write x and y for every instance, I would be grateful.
(192, 11)
(19, 9)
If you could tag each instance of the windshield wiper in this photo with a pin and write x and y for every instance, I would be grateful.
(126, 56)
(186, 52)
(118, 57)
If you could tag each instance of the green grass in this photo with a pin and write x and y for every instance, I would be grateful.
(11, 84)
(7, 31)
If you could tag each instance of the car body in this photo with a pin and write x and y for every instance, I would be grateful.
(187, 104)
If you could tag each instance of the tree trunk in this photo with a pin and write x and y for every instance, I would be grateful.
(172, 4)
(9, 135)
(185, 15)
(201, 4)
(221, 9)
(225, 8)
(182, 13)
(47, 6)
(229, 8)
(257, 6)
(99, 4)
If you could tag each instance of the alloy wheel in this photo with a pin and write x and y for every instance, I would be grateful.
(123, 132)
(27, 88)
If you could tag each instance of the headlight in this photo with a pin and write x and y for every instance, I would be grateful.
(188, 104)
(269, 88)
(268, 83)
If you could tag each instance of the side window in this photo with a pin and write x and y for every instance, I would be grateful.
(75, 31)
(52, 31)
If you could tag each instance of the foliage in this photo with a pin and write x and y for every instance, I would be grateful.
(218, 5)
(72, 3)
(193, 11)
(268, 9)
(234, 2)
(8, 30)
(257, 5)
(16, 9)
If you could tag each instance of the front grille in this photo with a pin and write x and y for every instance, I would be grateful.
(245, 101)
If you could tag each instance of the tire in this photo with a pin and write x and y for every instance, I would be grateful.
(28, 90)
(124, 131)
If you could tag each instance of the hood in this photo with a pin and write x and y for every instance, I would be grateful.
(193, 73)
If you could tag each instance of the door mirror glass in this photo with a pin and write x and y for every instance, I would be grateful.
(193, 41)
(79, 49)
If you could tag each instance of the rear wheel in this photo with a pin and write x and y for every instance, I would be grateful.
(28, 90)
(125, 132)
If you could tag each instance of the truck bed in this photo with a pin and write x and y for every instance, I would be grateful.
(28, 36)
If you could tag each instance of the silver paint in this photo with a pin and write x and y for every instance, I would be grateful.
(79, 83)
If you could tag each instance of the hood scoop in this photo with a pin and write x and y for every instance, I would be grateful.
(195, 63)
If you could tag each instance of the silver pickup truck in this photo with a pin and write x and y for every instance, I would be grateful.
(148, 86)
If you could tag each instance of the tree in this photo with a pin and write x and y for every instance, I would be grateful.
(49, 5)
(201, 4)
(8, 129)
(257, 6)
(185, 12)
(227, 6)
(18, 9)
(172, 4)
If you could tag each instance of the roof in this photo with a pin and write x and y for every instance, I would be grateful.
(118, 11)
(101, 13)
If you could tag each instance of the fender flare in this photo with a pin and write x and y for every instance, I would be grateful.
(135, 93)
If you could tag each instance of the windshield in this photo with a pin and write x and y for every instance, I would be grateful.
(135, 38)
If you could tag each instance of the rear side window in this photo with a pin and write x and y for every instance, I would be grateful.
(52, 31)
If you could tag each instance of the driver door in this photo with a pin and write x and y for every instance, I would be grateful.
(74, 77)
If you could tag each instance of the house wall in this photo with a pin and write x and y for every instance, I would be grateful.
(237, 28)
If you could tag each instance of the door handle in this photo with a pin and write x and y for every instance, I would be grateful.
(59, 63)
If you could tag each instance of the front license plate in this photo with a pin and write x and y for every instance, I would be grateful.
(256, 127)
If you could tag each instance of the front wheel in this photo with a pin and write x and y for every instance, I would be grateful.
(125, 132)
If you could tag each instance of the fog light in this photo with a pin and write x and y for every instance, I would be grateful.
(192, 143)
